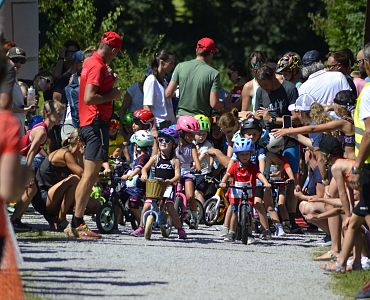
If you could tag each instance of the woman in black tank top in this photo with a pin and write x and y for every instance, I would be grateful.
(57, 179)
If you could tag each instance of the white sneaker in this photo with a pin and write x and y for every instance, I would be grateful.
(251, 240)
(279, 230)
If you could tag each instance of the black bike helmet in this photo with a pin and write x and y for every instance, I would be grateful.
(251, 124)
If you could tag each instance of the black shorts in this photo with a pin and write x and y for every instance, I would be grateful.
(363, 207)
(96, 139)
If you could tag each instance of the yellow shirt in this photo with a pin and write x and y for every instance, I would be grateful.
(116, 143)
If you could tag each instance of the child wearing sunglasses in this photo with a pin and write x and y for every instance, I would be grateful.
(164, 166)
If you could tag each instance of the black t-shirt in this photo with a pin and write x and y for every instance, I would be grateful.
(277, 102)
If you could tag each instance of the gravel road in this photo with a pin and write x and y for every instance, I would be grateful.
(202, 267)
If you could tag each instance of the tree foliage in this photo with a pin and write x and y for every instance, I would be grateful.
(76, 20)
(342, 24)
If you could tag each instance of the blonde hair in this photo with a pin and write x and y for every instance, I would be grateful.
(53, 107)
(318, 114)
(72, 139)
(229, 119)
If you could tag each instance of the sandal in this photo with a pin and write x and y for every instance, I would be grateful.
(327, 256)
(333, 267)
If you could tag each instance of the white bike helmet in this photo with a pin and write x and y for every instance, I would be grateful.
(276, 144)
(142, 138)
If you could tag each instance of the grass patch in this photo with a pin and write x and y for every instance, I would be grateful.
(32, 296)
(40, 234)
(349, 284)
(320, 251)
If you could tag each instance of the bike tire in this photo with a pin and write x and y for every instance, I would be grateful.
(211, 212)
(200, 210)
(166, 230)
(244, 224)
(148, 227)
(179, 208)
(106, 220)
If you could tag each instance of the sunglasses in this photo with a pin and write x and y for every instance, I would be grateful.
(164, 140)
(18, 60)
(48, 80)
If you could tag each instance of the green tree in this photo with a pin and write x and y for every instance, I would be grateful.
(73, 19)
(342, 24)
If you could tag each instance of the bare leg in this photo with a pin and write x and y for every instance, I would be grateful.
(146, 207)
(25, 201)
(174, 216)
(267, 200)
(282, 208)
(199, 195)
(349, 239)
(61, 197)
(189, 193)
(84, 187)
(228, 217)
(233, 221)
(261, 212)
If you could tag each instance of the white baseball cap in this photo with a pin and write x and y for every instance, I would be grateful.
(303, 103)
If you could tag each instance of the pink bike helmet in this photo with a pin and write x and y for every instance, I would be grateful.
(187, 124)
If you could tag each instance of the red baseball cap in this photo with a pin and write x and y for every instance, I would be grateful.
(206, 44)
(112, 39)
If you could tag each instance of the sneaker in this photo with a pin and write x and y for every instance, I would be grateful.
(139, 232)
(251, 240)
(82, 232)
(265, 235)
(182, 234)
(19, 226)
(61, 225)
(224, 231)
(279, 230)
(325, 242)
(295, 229)
(230, 237)
(286, 226)
(193, 224)
(69, 231)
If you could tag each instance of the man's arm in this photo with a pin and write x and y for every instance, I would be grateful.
(215, 102)
(91, 95)
(170, 90)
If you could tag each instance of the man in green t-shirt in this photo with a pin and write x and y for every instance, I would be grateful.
(198, 82)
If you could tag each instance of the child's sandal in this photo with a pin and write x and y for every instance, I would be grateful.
(336, 268)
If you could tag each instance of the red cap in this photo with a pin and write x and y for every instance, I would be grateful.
(206, 44)
(112, 39)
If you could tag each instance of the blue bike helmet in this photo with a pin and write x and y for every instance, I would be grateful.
(173, 126)
(243, 145)
(264, 140)
(171, 133)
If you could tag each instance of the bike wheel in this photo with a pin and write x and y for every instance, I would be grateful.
(244, 224)
(179, 209)
(167, 227)
(211, 212)
(148, 227)
(200, 210)
(105, 219)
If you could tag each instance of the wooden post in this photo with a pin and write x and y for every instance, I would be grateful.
(367, 24)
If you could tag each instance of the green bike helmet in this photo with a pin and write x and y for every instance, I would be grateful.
(128, 119)
(204, 122)
(142, 138)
